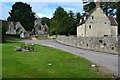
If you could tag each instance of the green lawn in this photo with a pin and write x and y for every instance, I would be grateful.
(35, 64)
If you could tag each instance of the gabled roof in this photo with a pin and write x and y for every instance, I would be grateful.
(86, 16)
(113, 21)
(111, 18)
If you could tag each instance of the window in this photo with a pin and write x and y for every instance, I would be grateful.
(105, 35)
(105, 22)
(90, 26)
(92, 17)
(45, 29)
(40, 27)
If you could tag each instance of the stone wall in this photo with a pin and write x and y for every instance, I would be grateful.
(103, 44)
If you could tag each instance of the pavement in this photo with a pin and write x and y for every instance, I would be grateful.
(109, 61)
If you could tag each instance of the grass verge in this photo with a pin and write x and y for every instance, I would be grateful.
(46, 62)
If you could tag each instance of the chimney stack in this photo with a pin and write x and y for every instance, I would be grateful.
(98, 4)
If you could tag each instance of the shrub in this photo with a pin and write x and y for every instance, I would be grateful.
(3, 26)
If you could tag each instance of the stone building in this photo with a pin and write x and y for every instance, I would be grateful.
(15, 28)
(39, 28)
(97, 24)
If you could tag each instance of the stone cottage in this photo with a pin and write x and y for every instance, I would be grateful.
(97, 24)
(15, 28)
(39, 28)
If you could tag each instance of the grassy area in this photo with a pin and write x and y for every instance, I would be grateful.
(37, 64)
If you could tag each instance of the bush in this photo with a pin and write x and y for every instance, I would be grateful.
(3, 26)
(0, 33)
(13, 35)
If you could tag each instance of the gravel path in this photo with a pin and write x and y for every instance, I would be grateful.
(108, 61)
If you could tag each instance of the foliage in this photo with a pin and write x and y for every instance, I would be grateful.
(3, 26)
(78, 16)
(36, 64)
(64, 23)
(22, 12)
(108, 8)
(89, 6)
(118, 14)
(57, 21)
(0, 31)
(45, 20)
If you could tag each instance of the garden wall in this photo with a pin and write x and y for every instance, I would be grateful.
(103, 44)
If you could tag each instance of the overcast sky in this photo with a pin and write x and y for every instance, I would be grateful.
(43, 8)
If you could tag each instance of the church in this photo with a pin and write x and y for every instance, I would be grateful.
(97, 24)
(39, 28)
(15, 28)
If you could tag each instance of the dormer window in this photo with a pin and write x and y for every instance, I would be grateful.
(92, 17)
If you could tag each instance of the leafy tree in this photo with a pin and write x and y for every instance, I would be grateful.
(64, 23)
(78, 16)
(107, 7)
(58, 22)
(3, 26)
(118, 15)
(1, 32)
(89, 6)
(45, 20)
(22, 12)
(72, 26)
(77, 20)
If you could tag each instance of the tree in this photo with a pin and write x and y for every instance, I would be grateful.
(58, 24)
(118, 15)
(45, 20)
(78, 16)
(72, 25)
(64, 23)
(3, 27)
(22, 12)
(107, 7)
(77, 20)
(89, 6)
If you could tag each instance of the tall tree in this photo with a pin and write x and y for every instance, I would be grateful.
(72, 25)
(107, 7)
(45, 20)
(89, 6)
(58, 22)
(3, 27)
(78, 16)
(22, 12)
(118, 15)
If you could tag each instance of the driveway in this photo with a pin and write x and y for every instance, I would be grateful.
(108, 61)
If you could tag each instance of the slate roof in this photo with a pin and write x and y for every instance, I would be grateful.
(113, 21)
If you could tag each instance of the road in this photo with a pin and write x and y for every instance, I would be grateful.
(106, 60)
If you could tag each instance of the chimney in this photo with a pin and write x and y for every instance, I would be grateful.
(98, 4)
